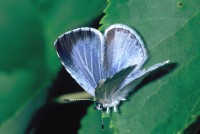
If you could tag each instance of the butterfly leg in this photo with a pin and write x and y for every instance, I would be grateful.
(107, 110)
(115, 109)
(123, 99)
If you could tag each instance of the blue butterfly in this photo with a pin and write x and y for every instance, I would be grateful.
(107, 66)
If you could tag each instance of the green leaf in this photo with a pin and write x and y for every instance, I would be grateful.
(28, 60)
(21, 55)
(20, 43)
(170, 30)
(21, 119)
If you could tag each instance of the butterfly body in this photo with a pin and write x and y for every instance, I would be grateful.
(107, 66)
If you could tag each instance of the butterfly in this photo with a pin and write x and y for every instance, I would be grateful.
(108, 66)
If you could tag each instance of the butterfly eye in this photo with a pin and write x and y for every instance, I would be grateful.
(100, 105)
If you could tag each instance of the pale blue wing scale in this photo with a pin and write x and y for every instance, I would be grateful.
(107, 87)
(80, 53)
(132, 80)
(123, 48)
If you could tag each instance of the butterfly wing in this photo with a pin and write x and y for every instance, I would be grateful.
(80, 53)
(106, 88)
(123, 48)
(133, 80)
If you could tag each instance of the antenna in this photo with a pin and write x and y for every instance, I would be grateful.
(72, 100)
(102, 124)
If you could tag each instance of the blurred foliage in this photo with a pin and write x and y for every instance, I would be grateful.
(28, 61)
(168, 101)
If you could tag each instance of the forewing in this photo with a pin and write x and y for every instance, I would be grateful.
(123, 48)
(80, 53)
(105, 89)
(133, 80)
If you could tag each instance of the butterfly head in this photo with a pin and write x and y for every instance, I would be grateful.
(99, 106)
